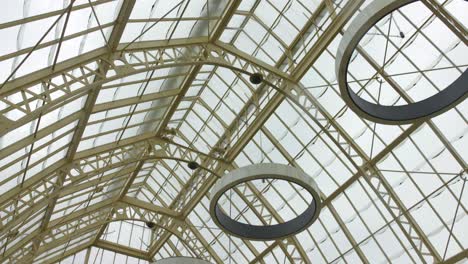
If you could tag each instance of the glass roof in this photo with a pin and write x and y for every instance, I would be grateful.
(103, 103)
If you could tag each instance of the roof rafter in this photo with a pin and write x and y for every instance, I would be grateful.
(296, 74)
(185, 85)
(113, 42)
(77, 188)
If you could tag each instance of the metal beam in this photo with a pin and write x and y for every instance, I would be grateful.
(463, 255)
(113, 42)
(117, 248)
(372, 162)
(67, 253)
(185, 86)
(297, 73)
(335, 214)
(103, 54)
(150, 207)
(265, 252)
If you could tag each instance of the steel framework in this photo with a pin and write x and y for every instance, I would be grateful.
(94, 144)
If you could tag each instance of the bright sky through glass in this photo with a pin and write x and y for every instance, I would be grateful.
(103, 102)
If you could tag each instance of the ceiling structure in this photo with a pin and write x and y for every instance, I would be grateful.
(103, 103)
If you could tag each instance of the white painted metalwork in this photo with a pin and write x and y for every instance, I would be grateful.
(103, 103)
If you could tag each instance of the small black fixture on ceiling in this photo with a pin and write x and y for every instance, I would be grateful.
(192, 165)
(13, 233)
(256, 78)
(150, 224)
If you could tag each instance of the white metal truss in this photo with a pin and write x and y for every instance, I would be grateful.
(94, 144)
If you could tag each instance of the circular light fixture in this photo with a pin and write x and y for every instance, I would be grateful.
(265, 171)
(193, 165)
(181, 260)
(256, 78)
(453, 94)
